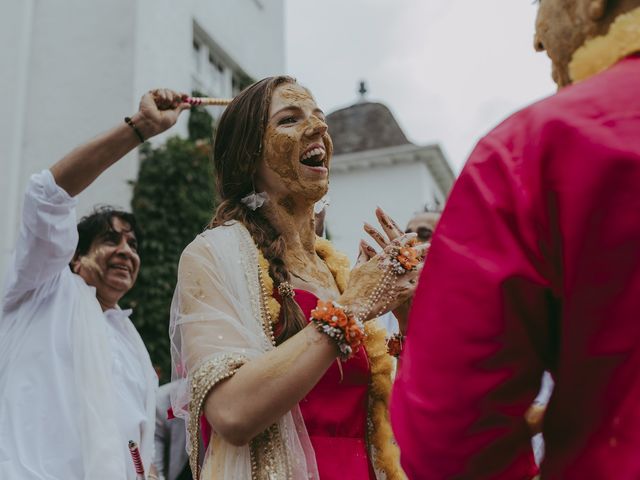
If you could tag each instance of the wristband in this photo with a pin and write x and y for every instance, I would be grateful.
(135, 129)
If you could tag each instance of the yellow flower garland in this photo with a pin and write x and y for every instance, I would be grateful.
(386, 452)
(272, 304)
(599, 53)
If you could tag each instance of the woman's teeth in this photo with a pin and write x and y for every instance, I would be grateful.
(313, 158)
(313, 153)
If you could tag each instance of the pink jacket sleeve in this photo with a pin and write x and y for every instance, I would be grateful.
(474, 357)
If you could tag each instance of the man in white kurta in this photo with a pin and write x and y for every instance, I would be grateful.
(76, 381)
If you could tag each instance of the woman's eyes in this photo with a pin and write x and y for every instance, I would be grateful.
(287, 120)
(291, 119)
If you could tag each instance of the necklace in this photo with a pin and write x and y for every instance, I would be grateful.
(386, 455)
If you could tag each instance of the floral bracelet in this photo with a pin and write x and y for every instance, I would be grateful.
(331, 319)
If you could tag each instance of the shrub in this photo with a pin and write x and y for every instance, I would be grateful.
(173, 201)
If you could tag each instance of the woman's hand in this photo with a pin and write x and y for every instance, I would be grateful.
(158, 111)
(391, 230)
(371, 291)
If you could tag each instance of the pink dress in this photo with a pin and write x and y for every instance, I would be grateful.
(335, 413)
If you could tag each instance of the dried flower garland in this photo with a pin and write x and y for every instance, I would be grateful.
(385, 453)
(600, 53)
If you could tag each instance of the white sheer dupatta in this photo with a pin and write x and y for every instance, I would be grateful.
(218, 323)
(104, 451)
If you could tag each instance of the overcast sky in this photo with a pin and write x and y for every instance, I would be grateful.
(449, 70)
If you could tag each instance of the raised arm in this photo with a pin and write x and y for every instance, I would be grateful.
(158, 111)
(48, 235)
(249, 390)
(220, 338)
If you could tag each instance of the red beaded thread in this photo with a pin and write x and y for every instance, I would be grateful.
(137, 461)
(207, 101)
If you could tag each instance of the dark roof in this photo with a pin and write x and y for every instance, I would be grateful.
(364, 126)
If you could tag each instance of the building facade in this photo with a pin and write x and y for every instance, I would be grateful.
(374, 164)
(73, 69)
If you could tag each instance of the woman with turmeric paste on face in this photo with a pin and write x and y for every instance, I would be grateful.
(285, 368)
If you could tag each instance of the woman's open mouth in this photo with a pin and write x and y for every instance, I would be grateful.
(314, 157)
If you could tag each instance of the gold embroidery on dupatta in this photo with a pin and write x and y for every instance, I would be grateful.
(204, 378)
(269, 457)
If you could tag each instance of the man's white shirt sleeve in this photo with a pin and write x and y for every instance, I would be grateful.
(47, 240)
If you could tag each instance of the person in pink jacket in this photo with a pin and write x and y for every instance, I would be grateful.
(535, 266)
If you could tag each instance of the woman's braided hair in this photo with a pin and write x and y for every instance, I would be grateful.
(236, 153)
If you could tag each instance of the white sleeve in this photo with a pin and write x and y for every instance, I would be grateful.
(47, 240)
(162, 434)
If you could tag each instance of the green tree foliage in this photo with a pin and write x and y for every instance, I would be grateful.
(173, 201)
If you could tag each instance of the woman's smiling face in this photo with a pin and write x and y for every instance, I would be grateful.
(296, 147)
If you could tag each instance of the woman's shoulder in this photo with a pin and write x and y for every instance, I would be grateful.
(224, 239)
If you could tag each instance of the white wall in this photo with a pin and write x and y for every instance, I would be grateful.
(15, 38)
(401, 190)
(76, 68)
(70, 84)
(251, 30)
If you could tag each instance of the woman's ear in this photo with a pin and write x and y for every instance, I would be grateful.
(596, 9)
